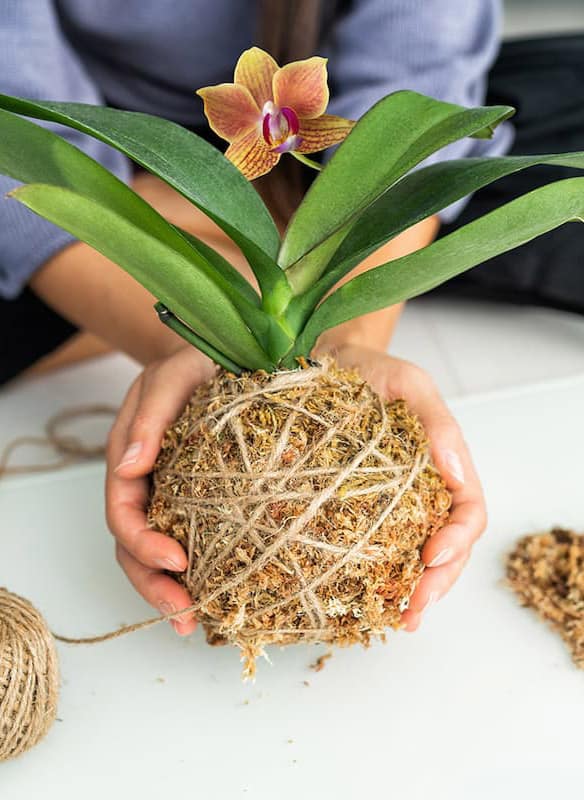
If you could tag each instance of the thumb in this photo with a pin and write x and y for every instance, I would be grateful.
(166, 389)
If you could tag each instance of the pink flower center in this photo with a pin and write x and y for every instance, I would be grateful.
(280, 128)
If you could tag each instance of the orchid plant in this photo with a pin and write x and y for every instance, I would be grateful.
(367, 194)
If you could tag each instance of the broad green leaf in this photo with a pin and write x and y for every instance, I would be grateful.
(501, 230)
(32, 154)
(266, 328)
(415, 197)
(222, 266)
(394, 136)
(184, 161)
(191, 296)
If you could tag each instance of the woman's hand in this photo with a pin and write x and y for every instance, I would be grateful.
(154, 401)
(446, 553)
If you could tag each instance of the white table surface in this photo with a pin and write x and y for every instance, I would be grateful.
(482, 702)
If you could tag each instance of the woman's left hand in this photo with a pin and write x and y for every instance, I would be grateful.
(446, 553)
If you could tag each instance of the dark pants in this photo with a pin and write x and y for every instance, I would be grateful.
(543, 79)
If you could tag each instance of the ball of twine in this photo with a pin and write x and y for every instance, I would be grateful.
(29, 676)
(303, 501)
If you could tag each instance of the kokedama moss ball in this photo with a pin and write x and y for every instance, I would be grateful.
(303, 501)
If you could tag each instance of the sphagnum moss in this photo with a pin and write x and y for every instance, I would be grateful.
(546, 571)
(303, 502)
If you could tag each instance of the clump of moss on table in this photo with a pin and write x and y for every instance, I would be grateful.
(546, 571)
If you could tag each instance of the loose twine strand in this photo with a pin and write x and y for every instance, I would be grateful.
(68, 449)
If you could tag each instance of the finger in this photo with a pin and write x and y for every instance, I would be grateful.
(451, 455)
(465, 524)
(161, 591)
(435, 583)
(127, 521)
(410, 621)
(126, 501)
(118, 435)
(164, 393)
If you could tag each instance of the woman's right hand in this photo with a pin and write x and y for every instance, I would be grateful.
(153, 403)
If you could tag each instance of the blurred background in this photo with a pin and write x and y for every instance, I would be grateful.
(537, 17)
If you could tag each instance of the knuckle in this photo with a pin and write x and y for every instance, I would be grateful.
(141, 551)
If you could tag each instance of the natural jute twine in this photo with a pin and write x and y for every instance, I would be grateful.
(29, 676)
(282, 489)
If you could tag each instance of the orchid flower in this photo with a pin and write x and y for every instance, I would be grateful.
(270, 110)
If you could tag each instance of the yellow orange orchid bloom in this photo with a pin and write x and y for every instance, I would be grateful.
(270, 110)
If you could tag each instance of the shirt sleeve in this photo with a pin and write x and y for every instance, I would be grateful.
(37, 62)
(442, 48)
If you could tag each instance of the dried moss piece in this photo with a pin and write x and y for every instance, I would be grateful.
(546, 571)
(303, 502)
(320, 662)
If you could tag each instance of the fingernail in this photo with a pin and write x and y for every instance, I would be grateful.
(168, 563)
(166, 608)
(130, 456)
(432, 600)
(454, 465)
(443, 557)
(176, 625)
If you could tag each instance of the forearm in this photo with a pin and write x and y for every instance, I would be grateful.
(375, 330)
(96, 295)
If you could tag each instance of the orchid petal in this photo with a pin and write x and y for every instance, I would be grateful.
(327, 130)
(255, 70)
(230, 110)
(251, 155)
(302, 86)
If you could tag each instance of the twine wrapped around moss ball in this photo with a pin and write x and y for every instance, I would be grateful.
(29, 676)
(303, 501)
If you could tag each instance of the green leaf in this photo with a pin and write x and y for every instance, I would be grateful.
(392, 137)
(32, 154)
(501, 230)
(186, 162)
(414, 198)
(192, 297)
(223, 267)
(167, 318)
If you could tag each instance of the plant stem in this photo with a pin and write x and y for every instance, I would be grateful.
(167, 318)
(307, 161)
